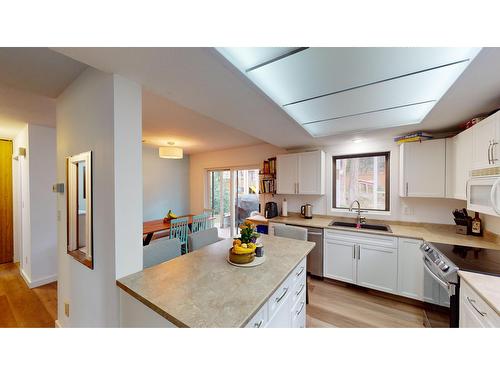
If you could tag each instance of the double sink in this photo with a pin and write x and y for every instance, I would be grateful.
(377, 227)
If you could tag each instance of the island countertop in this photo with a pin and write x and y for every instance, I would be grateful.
(201, 289)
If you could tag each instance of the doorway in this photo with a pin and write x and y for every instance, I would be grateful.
(232, 196)
(6, 215)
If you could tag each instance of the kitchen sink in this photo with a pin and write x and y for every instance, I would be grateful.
(379, 227)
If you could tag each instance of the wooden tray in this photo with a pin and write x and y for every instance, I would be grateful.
(256, 262)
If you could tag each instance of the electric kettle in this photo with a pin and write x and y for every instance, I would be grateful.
(306, 211)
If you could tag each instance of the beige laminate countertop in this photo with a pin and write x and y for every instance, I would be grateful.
(429, 232)
(201, 289)
(488, 287)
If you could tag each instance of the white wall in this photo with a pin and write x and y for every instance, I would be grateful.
(404, 209)
(35, 234)
(43, 213)
(166, 184)
(427, 210)
(237, 157)
(491, 223)
(101, 112)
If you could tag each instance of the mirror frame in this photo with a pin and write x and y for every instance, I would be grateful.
(85, 257)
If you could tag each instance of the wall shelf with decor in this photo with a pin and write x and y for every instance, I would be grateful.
(267, 177)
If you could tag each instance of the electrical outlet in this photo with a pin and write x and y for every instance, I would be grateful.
(408, 211)
(66, 309)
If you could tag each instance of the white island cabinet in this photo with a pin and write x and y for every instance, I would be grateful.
(217, 294)
(475, 312)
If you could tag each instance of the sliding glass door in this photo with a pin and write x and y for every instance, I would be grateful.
(232, 196)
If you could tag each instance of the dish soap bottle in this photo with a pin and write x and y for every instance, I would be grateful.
(477, 225)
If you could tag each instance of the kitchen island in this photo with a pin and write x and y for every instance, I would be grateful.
(201, 289)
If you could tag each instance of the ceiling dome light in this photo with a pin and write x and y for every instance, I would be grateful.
(170, 152)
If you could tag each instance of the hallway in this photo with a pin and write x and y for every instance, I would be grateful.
(24, 307)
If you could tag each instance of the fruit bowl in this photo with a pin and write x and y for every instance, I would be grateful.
(241, 258)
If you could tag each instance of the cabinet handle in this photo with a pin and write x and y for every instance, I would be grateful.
(472, 302)
(300, 290)
(301, 308)
(300, 272)
(353, 251)
(407, 189)
(257, 325)
(359, 252)
(281, 297)
(493, 159)
(489, 153)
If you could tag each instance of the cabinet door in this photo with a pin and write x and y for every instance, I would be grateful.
(483, 134)
(282, 317)
(311, 172)
(468, 318)
(286, 177)
(410, 269)
(339, 260)
(378, 268)
(424, 168)
(462, 163)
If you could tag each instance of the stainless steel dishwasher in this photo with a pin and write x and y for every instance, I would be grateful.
(315, 257)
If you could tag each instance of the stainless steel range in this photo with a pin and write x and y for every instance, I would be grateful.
(445, 272)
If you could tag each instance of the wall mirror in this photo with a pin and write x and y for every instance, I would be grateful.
(79, 215)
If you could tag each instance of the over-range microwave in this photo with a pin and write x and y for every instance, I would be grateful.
(483, 191)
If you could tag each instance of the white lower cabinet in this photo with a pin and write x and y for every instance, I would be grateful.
(410, 269)
(386, 263)
(363, 259)
(378, 267)
(474, 311)
(286, 308)
(339, 260)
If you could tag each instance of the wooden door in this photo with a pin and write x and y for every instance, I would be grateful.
(6, 231)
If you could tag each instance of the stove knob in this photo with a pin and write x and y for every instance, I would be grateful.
(427, 248)
(444, 267)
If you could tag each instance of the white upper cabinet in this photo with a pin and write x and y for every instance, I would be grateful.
(423, 169)
(286, 173)
(486, 136)
(302, 173)
(458, 164)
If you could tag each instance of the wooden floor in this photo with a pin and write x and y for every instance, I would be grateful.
(340, 305)
(21, 306)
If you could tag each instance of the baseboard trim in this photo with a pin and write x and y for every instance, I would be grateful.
(39, 282)
(57, 324)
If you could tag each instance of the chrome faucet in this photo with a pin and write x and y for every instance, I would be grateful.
(359, 219)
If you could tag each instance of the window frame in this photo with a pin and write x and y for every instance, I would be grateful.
(387, 155)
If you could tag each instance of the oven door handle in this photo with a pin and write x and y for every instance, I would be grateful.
(434, 276)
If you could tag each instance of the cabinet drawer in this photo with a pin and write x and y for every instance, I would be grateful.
(362, 238)
(298, 289)
(299, 273)
(298, 312)
(259, 320)
(279, 298)
(470, 301)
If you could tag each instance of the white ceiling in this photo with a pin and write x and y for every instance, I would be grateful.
(18, 108)
(38, 70)
(203, 80)
(336, 90)
(165, 121)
